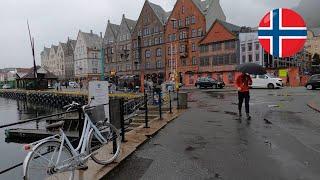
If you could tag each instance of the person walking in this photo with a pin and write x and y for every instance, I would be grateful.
(243, 83)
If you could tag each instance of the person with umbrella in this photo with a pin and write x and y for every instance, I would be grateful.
(243, 83)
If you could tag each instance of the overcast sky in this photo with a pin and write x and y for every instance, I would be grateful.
(52, 21)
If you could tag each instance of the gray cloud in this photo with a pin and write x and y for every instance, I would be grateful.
(54, 20)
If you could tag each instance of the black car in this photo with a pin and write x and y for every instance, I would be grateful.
(313, 82)
(209, 83)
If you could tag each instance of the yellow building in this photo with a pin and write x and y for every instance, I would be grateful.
(313, 41)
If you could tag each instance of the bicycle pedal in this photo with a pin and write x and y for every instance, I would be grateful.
(82, 167)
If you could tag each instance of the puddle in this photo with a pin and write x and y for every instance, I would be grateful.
(231, 113)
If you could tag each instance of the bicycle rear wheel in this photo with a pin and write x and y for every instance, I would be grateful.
(105, 152)
(40, 162)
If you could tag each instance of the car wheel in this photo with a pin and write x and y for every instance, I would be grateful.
(309, 87)
(215, 86)
(270, 86)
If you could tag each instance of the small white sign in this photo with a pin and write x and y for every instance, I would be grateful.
(99, 93)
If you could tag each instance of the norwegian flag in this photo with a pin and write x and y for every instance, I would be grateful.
(282, 32)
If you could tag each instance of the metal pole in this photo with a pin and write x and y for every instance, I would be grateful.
(80, 123)
(178, 99)
(146, 109)
(122, 120)
(170, 103)
(160, 104)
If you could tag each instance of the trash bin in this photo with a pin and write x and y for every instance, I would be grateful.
(183, 100)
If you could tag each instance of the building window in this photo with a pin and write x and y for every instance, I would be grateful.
(193, 19)
(257, 46)
(156, 41)
(250, 57)
(183, 62)
(194, 60)
(148, 53)
(146, 42)
(200, 32)
(233, 58)
(148, 66)
(250, 47)
(180, 23)
(150, 42)
(204, 48)
(139, 33)
(193, 47)
(159, 52)
(182, 48)
(230, 45)
(194, 33)
(169, 50)
(257, 57)
(204, 61)
(159, 64)
(216, 47)
(156, 29)
(160, 40)
(128, 67)
(219, 60)
(243, 47)
(187, 21)
(174, 24)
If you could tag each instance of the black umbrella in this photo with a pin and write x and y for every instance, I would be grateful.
(251, 68)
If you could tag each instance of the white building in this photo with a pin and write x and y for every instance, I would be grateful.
(87, 56)
(60, 59)
(250, 48)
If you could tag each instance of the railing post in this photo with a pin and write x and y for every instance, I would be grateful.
(170, 103)
(160, 104)
(122, 120)
(178, 99)
(146, 109)
(80, 123)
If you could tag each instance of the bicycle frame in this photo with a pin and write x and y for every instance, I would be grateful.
(77, 152)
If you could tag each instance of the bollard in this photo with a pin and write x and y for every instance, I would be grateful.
(178, 99)
(146, 109)
(170, 103)
(160, 104)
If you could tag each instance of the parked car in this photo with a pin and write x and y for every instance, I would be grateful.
(206, 82)
(73, 84)
(313, 82)
(6, 86)
(266, 81)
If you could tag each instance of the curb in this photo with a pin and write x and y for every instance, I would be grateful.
(313, 106)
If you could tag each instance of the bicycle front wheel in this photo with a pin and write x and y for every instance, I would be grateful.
(105, 152)
(41, 163)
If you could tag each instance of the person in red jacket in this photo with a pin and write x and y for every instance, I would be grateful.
(243, 83)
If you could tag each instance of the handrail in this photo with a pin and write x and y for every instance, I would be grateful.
(36, 119)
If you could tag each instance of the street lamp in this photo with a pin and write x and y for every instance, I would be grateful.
(171, 47)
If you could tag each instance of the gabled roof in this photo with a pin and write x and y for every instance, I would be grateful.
(131, 24)
(45, 51)
(231, 27)
(160, 12)
(91, 40)
(63, 46)
(54, 47)
(40, 70)
(111, 32)
(211, 9)
(234, 31)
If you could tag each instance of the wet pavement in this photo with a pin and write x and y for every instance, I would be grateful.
(209, 141)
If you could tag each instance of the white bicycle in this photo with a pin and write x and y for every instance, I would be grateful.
(55, 157)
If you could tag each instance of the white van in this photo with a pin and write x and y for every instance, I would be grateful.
(266, 81)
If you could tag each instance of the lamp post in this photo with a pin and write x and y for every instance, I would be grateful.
(171, 51)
